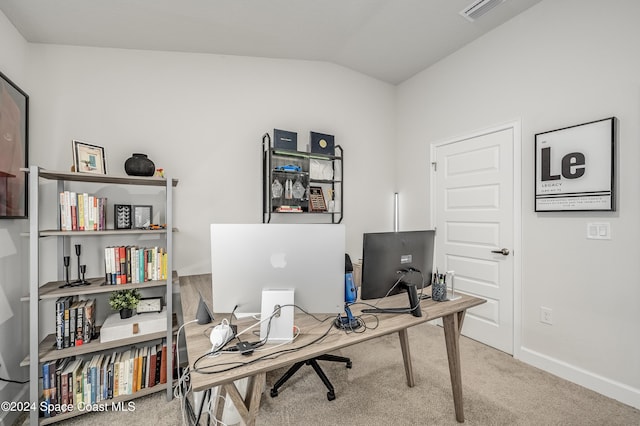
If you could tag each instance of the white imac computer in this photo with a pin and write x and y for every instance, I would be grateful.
(301, 264)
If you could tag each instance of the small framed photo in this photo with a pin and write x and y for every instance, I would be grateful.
(122, 216)
(142, 216)
(89, 158)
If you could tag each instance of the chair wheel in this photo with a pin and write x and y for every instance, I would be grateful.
(273, 393)
(331, 396)
(349, 364)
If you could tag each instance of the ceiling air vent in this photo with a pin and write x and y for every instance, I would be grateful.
(479, 8)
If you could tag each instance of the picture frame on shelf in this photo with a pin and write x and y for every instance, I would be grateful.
(142, 216)
(575, 168)
(14, 125)
(89, 158)
(122, 216)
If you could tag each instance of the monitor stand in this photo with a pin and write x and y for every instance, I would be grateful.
(277, 304)
(414, 304)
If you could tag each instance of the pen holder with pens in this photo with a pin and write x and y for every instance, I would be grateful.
(439, 288)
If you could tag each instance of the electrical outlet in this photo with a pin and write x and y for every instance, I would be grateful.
(546, 316)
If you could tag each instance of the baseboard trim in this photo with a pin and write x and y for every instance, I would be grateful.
(10, 417)
(607, 387)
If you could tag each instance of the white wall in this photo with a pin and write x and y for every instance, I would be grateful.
(558, 64)
(201, 118)
(13, 52)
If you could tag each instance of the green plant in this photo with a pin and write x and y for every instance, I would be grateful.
(124, 299)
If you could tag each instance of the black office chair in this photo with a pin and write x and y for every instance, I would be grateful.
(314, 363)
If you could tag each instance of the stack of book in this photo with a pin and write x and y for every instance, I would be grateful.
(75, 321)
(82, 212)
(286, 209)
(131, 264)
(80, 382)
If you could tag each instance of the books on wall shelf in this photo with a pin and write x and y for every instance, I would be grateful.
(82, 212)
(72, 383)
(289, 209)
(75, 321)
(132, 264)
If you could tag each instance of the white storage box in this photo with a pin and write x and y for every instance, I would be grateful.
(115, 328)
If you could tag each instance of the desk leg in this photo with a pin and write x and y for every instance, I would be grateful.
(452, 324)
(247, 407)
(218, 404)
(406, 356)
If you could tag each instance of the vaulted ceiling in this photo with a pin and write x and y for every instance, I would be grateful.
(390, 40)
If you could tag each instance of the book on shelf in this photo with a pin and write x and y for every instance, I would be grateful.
(62, 321)
(75, 321)
(132, 264)
(80, 322)
(89, 321)
(102, 376)
(82, 211)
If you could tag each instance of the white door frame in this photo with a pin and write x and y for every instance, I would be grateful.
(515, 126)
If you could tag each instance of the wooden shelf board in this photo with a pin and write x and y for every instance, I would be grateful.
(52, 290)
(107, 179)
(48, 352)
(58, 233)
(123, 398)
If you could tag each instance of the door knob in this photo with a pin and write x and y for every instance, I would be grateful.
(503, 251)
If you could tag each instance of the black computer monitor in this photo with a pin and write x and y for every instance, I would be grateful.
(393, 262)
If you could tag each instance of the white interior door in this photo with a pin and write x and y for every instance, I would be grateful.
(474, 211)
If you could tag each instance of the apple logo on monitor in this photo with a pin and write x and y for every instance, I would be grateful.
(278, 260)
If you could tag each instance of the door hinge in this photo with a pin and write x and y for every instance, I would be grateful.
(435, 166)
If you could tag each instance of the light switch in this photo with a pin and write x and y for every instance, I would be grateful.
(599, 231)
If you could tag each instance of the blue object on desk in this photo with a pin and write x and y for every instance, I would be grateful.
(350, 290)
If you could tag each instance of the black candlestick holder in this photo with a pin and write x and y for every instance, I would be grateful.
(66, 260)
(81, 270)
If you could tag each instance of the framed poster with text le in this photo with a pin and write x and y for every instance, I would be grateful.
(575, 168)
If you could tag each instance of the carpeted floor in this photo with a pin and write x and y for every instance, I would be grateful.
(498, 390)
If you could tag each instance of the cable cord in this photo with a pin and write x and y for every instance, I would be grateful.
(409, 309)
(183, 383)
(2, 379)
(273, 355)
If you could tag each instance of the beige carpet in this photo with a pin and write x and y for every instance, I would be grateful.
(498, 390)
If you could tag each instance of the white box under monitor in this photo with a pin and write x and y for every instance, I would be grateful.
(249, 258)
(280, 328)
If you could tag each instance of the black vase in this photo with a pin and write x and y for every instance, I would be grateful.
(139, 165)
(126, 313)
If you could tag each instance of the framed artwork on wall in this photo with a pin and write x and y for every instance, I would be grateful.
(14, 139)
(575, 166)
(88, 158)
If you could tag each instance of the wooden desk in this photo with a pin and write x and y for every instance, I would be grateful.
(452, 314)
